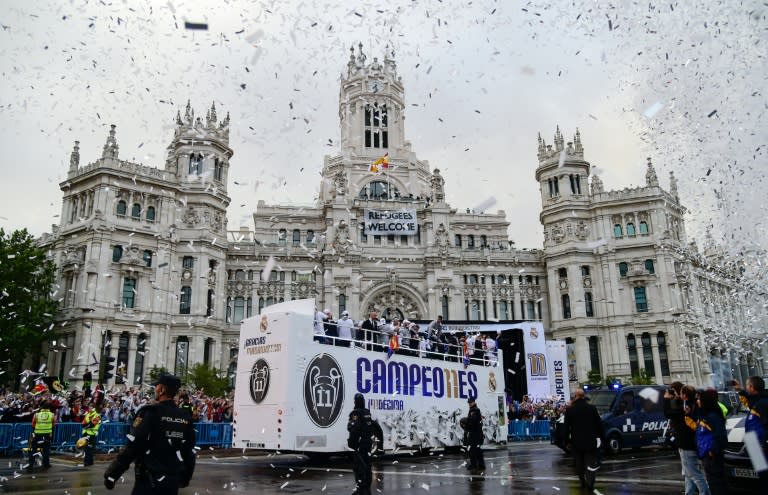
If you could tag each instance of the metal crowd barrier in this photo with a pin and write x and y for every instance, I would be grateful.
(519, 430)
(15, 436)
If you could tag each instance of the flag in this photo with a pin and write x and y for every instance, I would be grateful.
(380, 164)
(394, 345)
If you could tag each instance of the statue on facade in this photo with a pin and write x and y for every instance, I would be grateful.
(437, 182)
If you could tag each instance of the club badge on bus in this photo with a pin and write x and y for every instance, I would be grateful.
(323, 390)
(259, 381)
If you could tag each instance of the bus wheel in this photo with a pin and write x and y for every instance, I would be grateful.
(614, 444)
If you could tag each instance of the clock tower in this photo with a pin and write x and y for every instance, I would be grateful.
(371, 106)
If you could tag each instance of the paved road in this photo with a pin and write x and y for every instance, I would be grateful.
(521, 468)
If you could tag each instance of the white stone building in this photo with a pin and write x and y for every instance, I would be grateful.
(150, 275)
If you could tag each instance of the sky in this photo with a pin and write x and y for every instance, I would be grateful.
(680, 82)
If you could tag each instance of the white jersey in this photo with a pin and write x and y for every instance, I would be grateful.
(319, 328)
(345, 328)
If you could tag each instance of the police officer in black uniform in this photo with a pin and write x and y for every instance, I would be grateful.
(161, 442)
(473, 438)
(360, 428)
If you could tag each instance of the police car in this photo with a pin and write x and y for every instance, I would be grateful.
(738, 465)
(633, 416)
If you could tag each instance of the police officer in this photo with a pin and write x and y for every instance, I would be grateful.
(474, 436)
(360, 428)
(161, 442)
(42, 424)
(91, 424)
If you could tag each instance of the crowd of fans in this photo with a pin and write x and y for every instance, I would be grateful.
(114, 405)
(535, 410)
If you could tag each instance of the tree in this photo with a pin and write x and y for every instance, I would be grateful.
(594, 378)
(642, 378)
(201, 376)
(27, 306)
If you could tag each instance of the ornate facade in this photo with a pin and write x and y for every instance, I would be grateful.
(150, 275)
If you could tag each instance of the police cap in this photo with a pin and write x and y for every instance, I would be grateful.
(171, 381)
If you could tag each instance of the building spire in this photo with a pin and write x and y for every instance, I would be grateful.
(189, 114)
(650, 175)
(74, 157)
(577, 142)
(673, 185)
(111, 147)
(558, 140)
(213, 118)
(178, 117)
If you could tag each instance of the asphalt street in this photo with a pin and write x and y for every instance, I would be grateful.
(529, 467)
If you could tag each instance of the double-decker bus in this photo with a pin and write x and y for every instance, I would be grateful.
(294, 394)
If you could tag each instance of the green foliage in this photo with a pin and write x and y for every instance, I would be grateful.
(26, 306)
(610, 379)
(201, 376)
(594, 378)
(155, 372)
(641, 378)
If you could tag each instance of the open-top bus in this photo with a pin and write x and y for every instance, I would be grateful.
(295, 394)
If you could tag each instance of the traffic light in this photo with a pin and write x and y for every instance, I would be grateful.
(108, 368)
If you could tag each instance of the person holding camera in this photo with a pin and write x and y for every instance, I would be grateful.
(161, 442)
(677, 400)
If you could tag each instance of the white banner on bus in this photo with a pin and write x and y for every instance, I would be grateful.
(385, 222)
(536, 360)
(558, 370)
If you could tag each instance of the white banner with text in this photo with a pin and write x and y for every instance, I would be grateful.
(385, 222)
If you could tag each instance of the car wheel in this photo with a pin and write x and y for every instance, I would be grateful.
(614, 444)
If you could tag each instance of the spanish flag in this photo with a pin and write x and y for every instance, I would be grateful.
(380, 164)
(394, 345)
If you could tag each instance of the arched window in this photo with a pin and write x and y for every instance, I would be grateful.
(379, 190)
(566, 300)
(588, 306)
(649, 266)
(530, 310)
(501, 279)
(632, 348)
(185, 301)
(503, 310)
(473, 279)
(195, 164)
(631, 229)
(645, 340)
(641, 300)
(182, 356)
(239, 312)
(444, 305)
(594, 353)
(310, 237)
(187, 262)
(623, 268)
(147, 256)
(281, 237)
(207, 351)
(121, 208)
(249, 307)
(483, 241)
(218, 169)
(457, 240)
(138, 364)
(150, 214)
(617, 231)
(643, 228)
(296, 237)
(470, 241)
(661, 340)
(209, 303)
(376, 134)
(239, 274)
(129, 292)
(117, 253)
(136, 210)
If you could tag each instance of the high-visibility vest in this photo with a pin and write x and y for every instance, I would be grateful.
(44, 422)
(91, 423)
